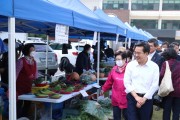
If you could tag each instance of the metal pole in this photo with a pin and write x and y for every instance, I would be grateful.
(12, 68)
(98, 57)
(46, 71)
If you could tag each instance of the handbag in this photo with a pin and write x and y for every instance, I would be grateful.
(166, 85)
(157, 100)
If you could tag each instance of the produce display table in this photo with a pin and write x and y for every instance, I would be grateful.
(31, 97)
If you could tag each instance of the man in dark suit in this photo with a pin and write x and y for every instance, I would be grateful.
(153, 55)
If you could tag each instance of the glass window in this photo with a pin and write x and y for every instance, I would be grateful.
(171, 24)
(145, 4)
(81, 48)
(171, 5)
(145, 24)
(115, 4)
(41, 47)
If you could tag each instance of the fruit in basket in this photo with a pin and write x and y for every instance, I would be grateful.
(74, 76)
(78, 87)
(40, 82)
(55, 96)
(57, 87)
(46, 91)
(39, 95)
(69, 89)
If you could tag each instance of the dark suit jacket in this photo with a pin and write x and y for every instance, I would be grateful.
(178, 57)
(157, 59)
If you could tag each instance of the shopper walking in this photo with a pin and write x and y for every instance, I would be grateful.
(141, 81)
(172, 101)
(116, 82)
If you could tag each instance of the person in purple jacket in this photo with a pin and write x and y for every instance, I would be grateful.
(171, 101)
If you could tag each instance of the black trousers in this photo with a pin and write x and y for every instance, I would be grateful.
(23, 108)
(135, 113)
(171, 103)
(117, 113)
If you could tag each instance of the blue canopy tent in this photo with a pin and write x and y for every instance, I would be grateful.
(138, 34)
(106, 18)
(38, 16)
(84, 18)
(144, 37)
(129, 32)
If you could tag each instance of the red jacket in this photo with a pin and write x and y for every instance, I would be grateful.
(25, 78)
(116, 82)
(175, 76)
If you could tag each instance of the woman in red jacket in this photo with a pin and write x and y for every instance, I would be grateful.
(26, 72)
(172, 101)
(116, 82)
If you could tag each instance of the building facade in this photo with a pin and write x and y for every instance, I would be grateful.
(159, 17)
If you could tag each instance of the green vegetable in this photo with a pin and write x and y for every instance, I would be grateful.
(69, 89)
(57, 88)
(39, 80)
(94, 109)
(86, 79)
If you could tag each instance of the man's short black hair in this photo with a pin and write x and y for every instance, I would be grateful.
(146, 47)
(154, 41)
(169, 53)
(122, 54)
(87, 47)
(26, 49)
(166, 43)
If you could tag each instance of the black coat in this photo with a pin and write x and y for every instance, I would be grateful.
(157, 59)
(83, 62)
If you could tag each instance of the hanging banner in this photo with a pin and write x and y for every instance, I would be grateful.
(61, 33)
(129, 43)
(117, 38)
(95, 38)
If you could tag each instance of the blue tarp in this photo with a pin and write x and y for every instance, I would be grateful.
(84, 18)
(129, 32)
(139, 36)
(36, 10)
(45, 11)
(106, 18)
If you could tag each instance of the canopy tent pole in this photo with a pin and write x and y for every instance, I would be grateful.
(12, 68)
(98, 57)
(46, 71)
(126, 42)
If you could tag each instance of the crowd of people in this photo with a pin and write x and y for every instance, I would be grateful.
(136, 77)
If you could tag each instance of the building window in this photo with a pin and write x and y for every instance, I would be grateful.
(115, 4)
(171, 5)
(145, 4)
(171, 24)
(145, 24)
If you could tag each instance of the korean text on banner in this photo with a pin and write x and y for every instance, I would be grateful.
(61, 33)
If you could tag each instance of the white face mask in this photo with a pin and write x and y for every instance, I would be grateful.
(163, 49)
(119, 63)
(32, 53)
